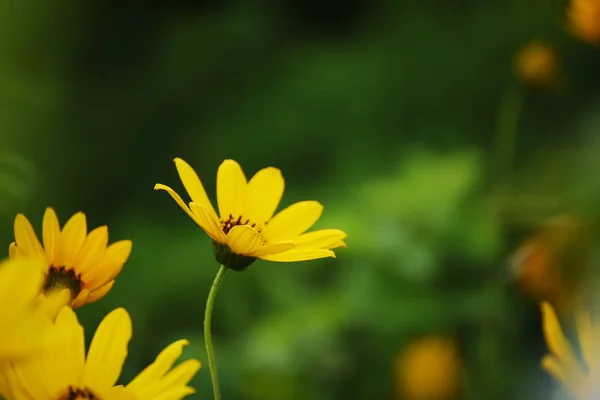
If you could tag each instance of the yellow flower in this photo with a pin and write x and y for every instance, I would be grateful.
(246, 229)
(584, 20)
(23, 327)
(428, 369)
(74, 260)
(65, 373)
(581, 379)
(537, 64)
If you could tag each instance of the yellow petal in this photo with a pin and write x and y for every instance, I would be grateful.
(208, 222)
(587, 340)
(274, 248)
(556, 341)
(81, 299)
(293, 220)
(20, 282)
(321, 239)
(100, 292)
(193, 185)
(114, 258)
(51, 235)
(108, 350)
(244, 240)
(93, 249)
(161, 365)
(177, 379)
(53, 302)
(177, 199)
(231, 186)
(573, 383)
(73, 353)
(72, 238)
(299, 255)
(335, 245)
(263, 194)
(26, 238)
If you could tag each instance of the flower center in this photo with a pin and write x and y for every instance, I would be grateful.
(231, 221)
(73, 393)
(59, 278)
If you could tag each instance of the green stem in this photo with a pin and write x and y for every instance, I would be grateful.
(212, 364)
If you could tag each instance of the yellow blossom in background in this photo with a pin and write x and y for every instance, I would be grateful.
(580, 378)
(583, 19)
(428, 368)
(537, 64)
(65, 372)
(246, 228)
(75, 261)
(552, 264)
(24, 329)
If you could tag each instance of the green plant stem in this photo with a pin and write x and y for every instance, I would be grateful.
(212, 364)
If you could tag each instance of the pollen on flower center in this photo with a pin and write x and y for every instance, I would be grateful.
(73, 393)
(231, 221)
(62, 278)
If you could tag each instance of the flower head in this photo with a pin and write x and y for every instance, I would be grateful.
(428, 369)
(65, 372)
(23, 326)
(584, 20)
(579, 378)
(75, 261)
(246, 227)
(537, 64)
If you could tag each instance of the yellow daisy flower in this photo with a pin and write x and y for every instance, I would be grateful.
(64, 372)
(579, 378)
(23, 327)
(76, 261)
(245, 228)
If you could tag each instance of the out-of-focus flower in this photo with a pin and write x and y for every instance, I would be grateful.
(24, 329)
(78, 263)
(429, 368)
(247, 228)
(583, 20)
(65, 372)
(553, 263)
(537, 64)
(580, 378)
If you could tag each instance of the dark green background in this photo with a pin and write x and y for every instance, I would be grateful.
(385, 111)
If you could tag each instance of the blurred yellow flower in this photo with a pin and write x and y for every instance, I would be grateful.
(64, 372)
(584, 20)
(553, 263)
(428, 368)
(75, 261)
(537, 64)
(247, 229)
(23, 327)
(580, 379)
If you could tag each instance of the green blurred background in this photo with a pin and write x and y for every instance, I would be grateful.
(384, 111)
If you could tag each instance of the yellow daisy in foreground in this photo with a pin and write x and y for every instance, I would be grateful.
(65, 373)
(581, 379)
(23, 327)
(246, 228)
(74, 260)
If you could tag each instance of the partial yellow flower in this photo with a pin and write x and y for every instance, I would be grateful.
(584, 20)
(64, 372)
(74, 260)
(537, 64)
(246, 228)
(581, 379)
(429, 368)
(23, 326)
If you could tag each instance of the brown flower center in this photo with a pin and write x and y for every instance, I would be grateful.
(228, 223)
(73, 393)
(59, 278)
